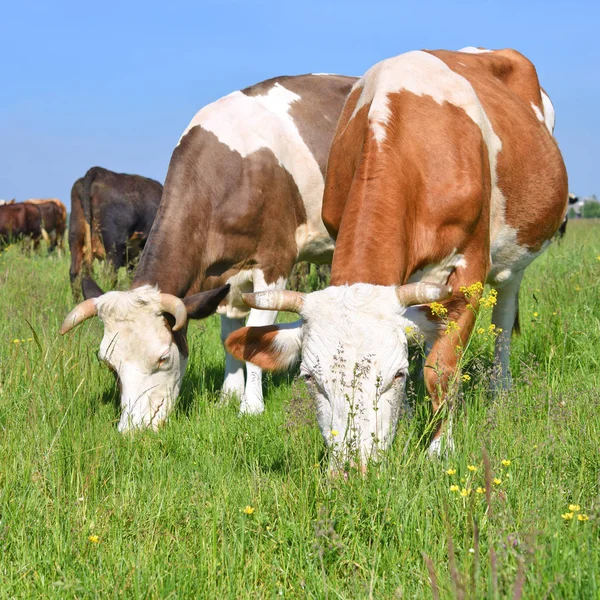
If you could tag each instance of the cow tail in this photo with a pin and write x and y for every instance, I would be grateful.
(517, 323)
(86, 204)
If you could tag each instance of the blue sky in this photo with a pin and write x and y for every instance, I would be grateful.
(115, 83)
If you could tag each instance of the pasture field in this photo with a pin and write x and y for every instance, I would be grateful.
(217, 506)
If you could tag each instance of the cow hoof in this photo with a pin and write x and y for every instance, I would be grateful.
(441, 446)
(254, 407)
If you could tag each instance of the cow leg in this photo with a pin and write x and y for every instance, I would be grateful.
(233, 384)
(252, 400)
(504, 317)
(442, 362)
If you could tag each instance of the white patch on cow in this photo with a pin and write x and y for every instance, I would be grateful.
(538, 113)
(140, 349)
(549, 113)
(247, 124)
(422, 74)
(440, 272)
(473, 50)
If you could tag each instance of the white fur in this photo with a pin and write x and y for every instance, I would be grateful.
(549, 114)
(135, 338)
(440, 272)
(247, 124)
(473, 50)
(538, 113)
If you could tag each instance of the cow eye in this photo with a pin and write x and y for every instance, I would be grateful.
(163, 359)
(399, 375)
(306, 377)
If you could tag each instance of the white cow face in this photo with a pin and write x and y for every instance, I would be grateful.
(147, 354)
(354, 350)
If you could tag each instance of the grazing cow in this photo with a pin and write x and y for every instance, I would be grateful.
(20, 220)
(54, 220)
(241, 204)
(111, 217)
(443, 172)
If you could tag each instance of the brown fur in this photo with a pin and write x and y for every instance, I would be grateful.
(255, 345)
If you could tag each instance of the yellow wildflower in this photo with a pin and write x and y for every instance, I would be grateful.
(497, 481)
(481, 331)
(582, 517)
(480, 490)
(408, 330)
(464, 492)
(466, 377)
(94, 539)
(451, 471)
(16, 341)
(490, 300)
(567, 516)
(536, 315)
(597, 257)
(505, 463)
(554, 313)
(472, 468)
(334, 432)
(438, 309)
(577, 288)
(574, 507)
(474, 289)
(249, 509)
(451, 326)
(454, 488)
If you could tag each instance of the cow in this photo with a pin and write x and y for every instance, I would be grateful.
(573, 199)
(5, 202)
(54, 220)
(443, 174)
(241, 204)
(20, 220)
(111, 217)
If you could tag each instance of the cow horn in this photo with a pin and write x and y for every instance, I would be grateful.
(422, 293)
(275, 300)
(79, 314)
(174, 306)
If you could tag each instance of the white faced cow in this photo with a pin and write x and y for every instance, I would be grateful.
(241, 204)
(443, 172)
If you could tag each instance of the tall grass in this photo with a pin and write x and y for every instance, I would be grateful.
(88, 513)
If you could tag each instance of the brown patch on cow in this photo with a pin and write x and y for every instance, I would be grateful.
(54, 220)
(414, 201)
(255, 345)
(20, 220)
(530, 169)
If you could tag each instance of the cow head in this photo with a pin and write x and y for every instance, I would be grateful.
(144, 344)
(353, 341)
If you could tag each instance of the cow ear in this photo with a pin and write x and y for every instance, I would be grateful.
(90, 288)
(204, 304)
(273, 347)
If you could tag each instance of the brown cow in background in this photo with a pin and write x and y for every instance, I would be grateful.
(20, 220)
(111, 217)
(54, 220)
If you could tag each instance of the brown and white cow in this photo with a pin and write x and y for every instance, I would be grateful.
(241, 204)
(443, 172)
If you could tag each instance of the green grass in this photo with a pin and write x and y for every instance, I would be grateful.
(167, 507)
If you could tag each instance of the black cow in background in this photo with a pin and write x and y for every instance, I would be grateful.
(573, 199)
(111, 217)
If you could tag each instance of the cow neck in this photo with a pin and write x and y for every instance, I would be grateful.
(374, 243)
